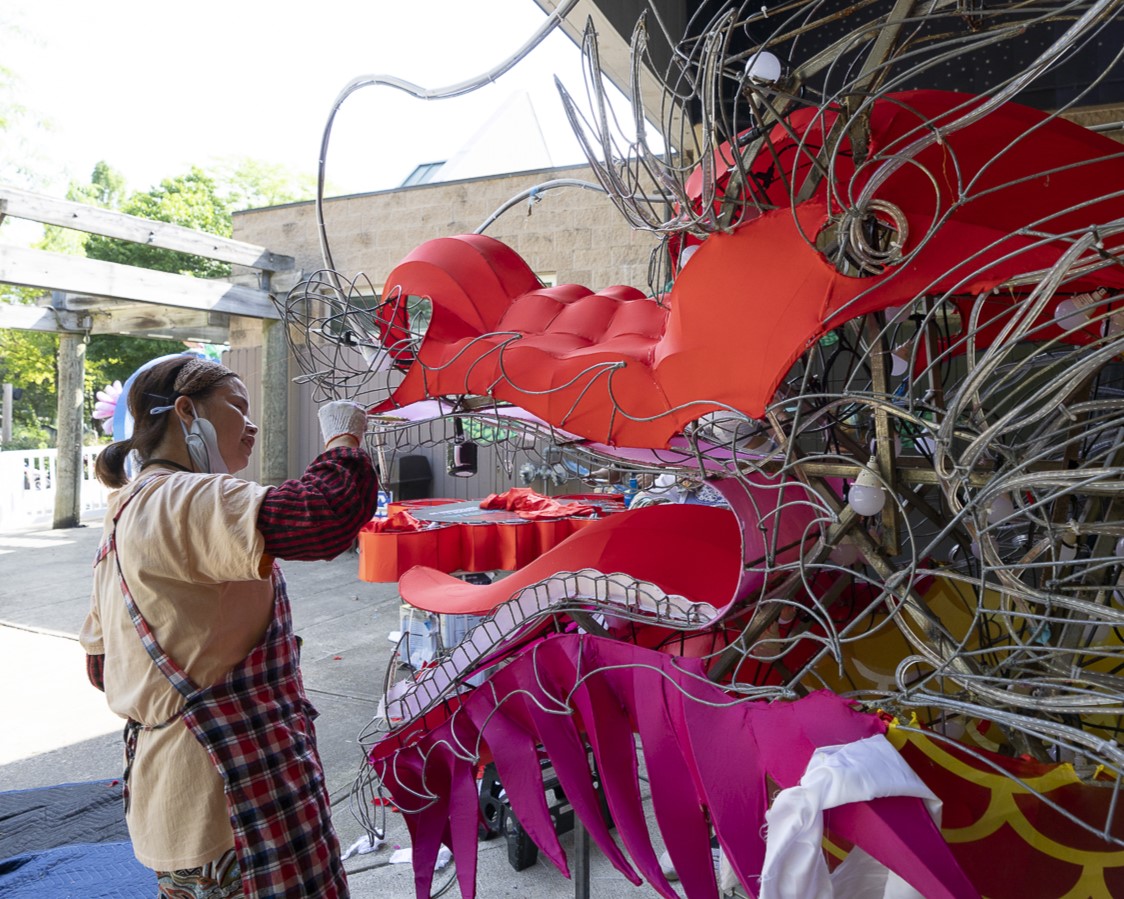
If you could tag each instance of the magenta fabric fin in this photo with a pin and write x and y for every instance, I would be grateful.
(515, 753)
(675, 800)
(722, 741)
(787, 733)
(563, 746)
(899, 832)
(707, 757)
(609, 729)
(431, 823)
(464, 818)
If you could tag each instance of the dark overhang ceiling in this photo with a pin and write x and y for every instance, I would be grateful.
(1084, 71)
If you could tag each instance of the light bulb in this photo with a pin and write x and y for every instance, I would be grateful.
(953, 728)
(866, 495)
(1120, 548)
(686, 254)
(924, 445)
(844, 554)
(1068, 315)
(899, 363)
(763, 67)
(1002, 507)
(897, 446)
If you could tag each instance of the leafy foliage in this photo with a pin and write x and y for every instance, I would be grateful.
(22, 149)
(27, 360)
(251, 184)
(197, 199)
(190, 200)
(106, 188)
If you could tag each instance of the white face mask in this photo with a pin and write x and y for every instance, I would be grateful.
(203, 445)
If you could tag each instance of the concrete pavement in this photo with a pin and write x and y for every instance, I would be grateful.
(56, 728)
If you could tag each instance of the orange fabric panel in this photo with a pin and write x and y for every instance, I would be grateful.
(751, 301)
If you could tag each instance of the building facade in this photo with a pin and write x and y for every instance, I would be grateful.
(567, 234)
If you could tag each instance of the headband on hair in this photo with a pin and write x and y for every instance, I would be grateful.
(196, 376)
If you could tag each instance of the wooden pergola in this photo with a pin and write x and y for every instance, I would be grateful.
(93, 297)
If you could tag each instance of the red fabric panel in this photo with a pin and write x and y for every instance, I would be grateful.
(515, 544)
(651, 544)
(753, 300)
(389, 547)
(479, 548)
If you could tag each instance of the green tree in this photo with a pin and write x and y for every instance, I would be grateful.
(106, 189)
(190, 200)
(27, 360)
(195, 200)
(251, 184)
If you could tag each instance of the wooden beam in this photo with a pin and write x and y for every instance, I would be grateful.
(111, 317)
(71, 394)
(95, 220)
(77, 274)
(28, 318)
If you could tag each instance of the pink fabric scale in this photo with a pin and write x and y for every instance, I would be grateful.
(708, 757)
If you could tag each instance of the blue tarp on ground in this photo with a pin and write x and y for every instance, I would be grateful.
(77, 871)
(69, 841)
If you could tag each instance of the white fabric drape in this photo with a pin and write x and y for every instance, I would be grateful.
(794, 866)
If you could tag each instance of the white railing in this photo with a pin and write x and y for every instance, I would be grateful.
(27, 486)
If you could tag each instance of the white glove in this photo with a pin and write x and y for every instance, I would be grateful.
(341, 417)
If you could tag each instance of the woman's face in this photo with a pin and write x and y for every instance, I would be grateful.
(227, 407)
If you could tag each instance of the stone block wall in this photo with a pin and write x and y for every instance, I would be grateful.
(573, 233)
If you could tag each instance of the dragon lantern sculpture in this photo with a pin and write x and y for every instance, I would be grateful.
(885, 327)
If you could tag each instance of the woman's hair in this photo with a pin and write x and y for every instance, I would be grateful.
(158, 388)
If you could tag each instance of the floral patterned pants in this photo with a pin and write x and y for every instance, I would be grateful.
(220, 879)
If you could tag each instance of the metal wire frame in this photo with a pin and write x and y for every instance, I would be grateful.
(1000, 459)
(711, 96)
(1039, 582)
(422, 93)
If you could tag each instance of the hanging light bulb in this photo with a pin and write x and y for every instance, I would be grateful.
(686, 253)
(897, 445)
(899, 361)
(1069, 315)
(1001, 508)
(844, 554)
(1120, 548)
(763, 67)
(866, 495)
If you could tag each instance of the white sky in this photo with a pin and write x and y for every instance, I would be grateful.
(153, 87)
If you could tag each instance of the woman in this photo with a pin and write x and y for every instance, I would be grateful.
(189, 634)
